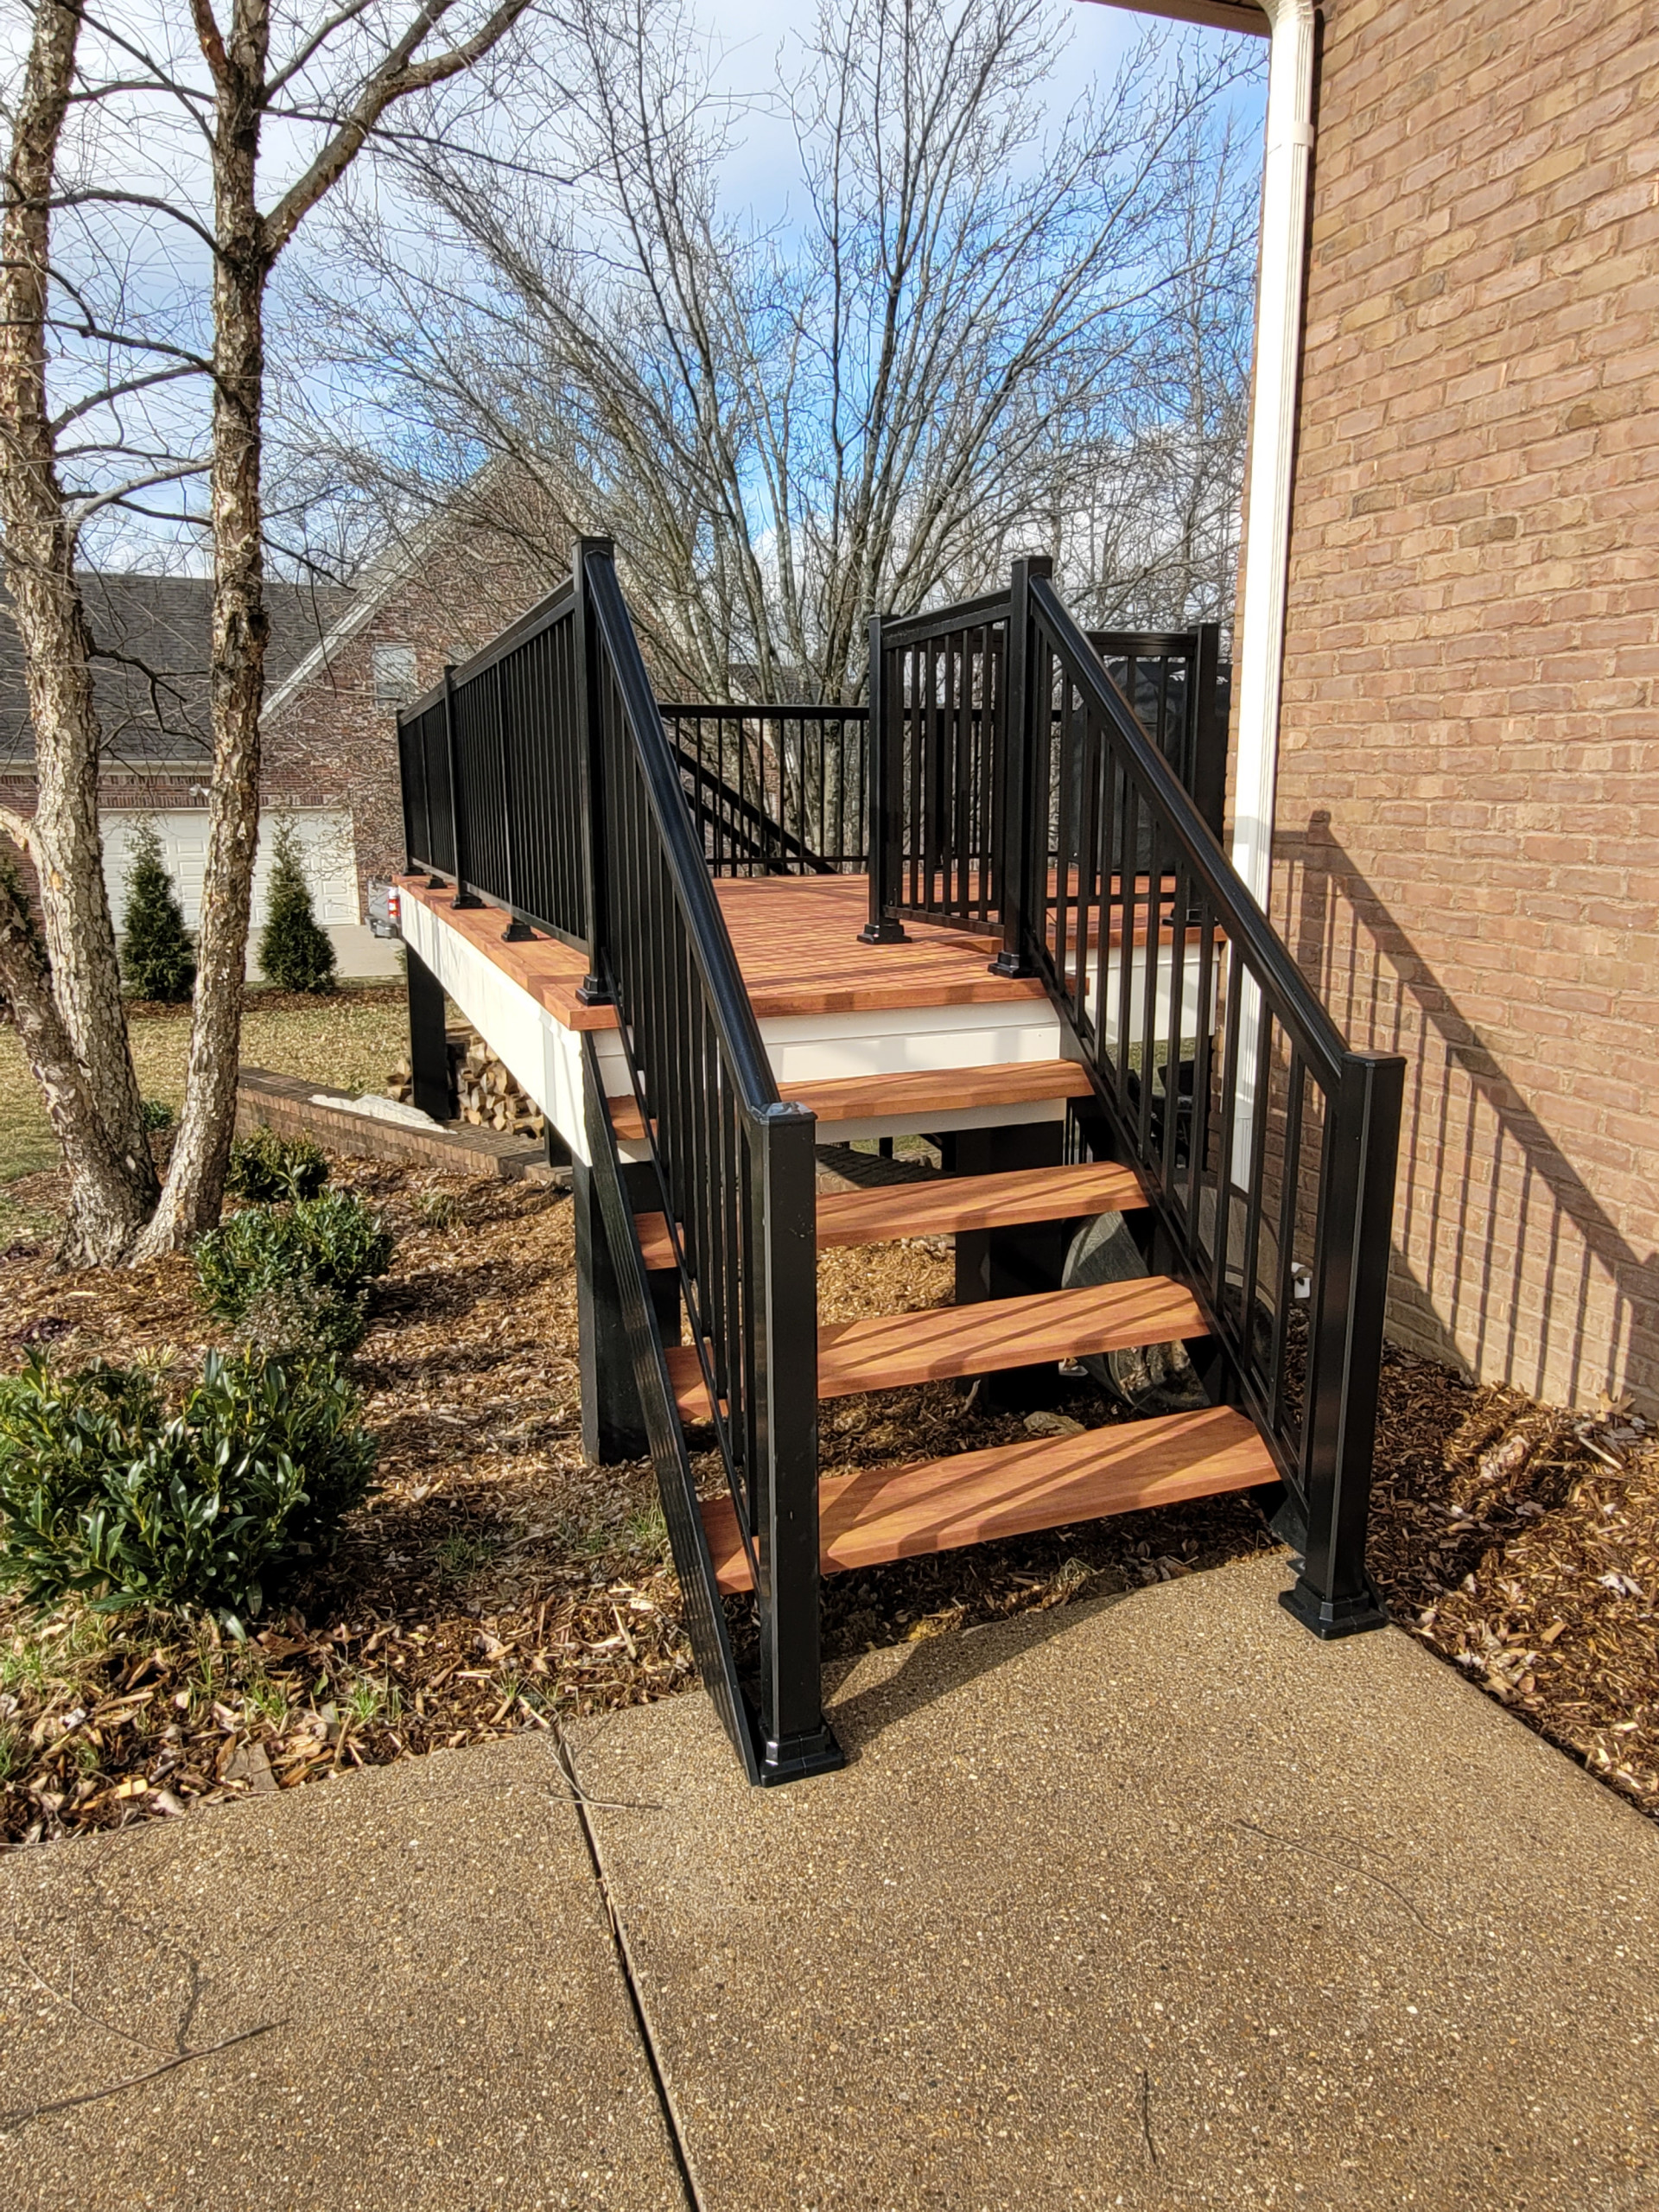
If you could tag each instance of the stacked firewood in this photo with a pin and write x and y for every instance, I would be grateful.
(483, 1090)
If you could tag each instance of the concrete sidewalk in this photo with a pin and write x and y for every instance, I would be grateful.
(1153, 1903)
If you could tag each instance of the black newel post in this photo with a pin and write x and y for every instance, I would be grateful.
(1208, 751)
(1333, 1595)
(882, 844)
(1022, 750)
(594, 990)
(457, 803)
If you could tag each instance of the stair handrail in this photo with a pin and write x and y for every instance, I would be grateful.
(1083, 764)
(735, 1164)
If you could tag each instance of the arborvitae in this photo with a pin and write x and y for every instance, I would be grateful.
(295, 952)
(157, 958)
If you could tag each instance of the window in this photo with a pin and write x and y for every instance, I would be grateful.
(395, 681)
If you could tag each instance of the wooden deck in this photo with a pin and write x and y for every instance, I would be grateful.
(797, 943)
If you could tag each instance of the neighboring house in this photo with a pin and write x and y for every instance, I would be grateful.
(339, 665)
(1453, 509)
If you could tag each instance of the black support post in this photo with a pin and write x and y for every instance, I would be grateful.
(1208, 728)
(1011, 1262)
(795, 1739)
(428, 1053)
(613, 1419)
(594, 990)
(1022, 749)
(457, 801)
(1333, 1595)
(882, 836)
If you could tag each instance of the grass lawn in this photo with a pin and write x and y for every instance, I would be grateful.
(349, 1041)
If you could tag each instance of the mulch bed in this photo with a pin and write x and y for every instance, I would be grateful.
(497, 1582)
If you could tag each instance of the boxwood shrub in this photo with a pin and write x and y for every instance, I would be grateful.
(295, 1277)
(265, 1167)
(109, 1493)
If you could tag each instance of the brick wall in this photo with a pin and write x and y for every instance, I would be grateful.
(1468, 807)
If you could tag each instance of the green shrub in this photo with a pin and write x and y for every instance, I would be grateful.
(298, 1316)
(106, 1494)
(295, 952)
(158, 956)
(265, 1167)
(334, 1243)
(154, 1113)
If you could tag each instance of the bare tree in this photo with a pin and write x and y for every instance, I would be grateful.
(871, 407)
(136, 152)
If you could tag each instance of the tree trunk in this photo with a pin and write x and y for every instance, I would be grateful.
(104, 1210)
(83, 991)
(190, 1198)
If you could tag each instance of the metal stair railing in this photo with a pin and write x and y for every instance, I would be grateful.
(734, 1168)
(539, 780)
(1267, 1146)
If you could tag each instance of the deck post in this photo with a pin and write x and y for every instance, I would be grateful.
(1021, 750)
(795, 1739)
(881, 840)
(429, 1051)
(1011, 1262)
(1207, 737)
(1333, 1595)
(594, 990)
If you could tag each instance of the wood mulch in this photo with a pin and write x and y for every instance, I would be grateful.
(496, 1582)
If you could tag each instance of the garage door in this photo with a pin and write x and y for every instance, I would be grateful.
(324, 836)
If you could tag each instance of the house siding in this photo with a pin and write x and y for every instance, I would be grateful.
(1467, 851)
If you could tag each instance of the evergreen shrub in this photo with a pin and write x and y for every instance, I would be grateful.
(108, 1494)
(265, 1167)
(158, 953)
(295, 952)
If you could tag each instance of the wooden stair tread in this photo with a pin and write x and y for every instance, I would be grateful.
(1014, 1489)
(914, 1091)
(889, 1351)
(945, 1205)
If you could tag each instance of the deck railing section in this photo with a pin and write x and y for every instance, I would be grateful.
(776, 790)
(1267, 1146)
(541, 776)
(492, 766)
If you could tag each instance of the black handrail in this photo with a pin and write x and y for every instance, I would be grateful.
(1267, 1147)
(735, 1167)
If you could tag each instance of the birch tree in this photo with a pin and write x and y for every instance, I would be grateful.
(137, 243)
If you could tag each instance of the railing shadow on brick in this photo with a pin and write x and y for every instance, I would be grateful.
(1016, 792)
(1499, 1186)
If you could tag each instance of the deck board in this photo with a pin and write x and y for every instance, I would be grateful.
(911, 1095)
(797, 943)
(1012, 1490)
(890, 1351)
(947, 1205)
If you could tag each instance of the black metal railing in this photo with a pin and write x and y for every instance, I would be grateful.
(1267, 1146)
(736, 1174)
(939, 802)
(492, 765)
(776, 790)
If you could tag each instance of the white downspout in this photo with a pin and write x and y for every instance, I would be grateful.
(1259, 673)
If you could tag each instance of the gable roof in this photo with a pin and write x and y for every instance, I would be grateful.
(152, 638)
